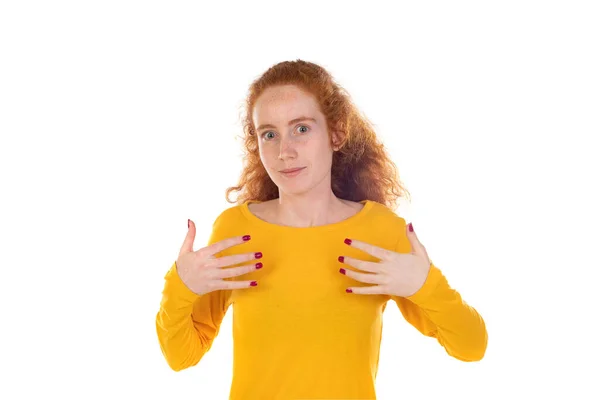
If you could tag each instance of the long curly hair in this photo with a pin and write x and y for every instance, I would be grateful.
(361, 168)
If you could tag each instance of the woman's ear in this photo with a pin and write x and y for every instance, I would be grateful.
(336, 139)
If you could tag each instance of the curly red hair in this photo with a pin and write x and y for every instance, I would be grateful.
(360, 170)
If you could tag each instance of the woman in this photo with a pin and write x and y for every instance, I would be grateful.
(318, 191)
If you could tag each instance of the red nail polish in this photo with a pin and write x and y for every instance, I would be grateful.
(253, 283)
(258, 255)
(246, 238)
(348, 290)
(343, 271)
(258, 265)
(348, 241)
(188, 223)
(341, 259)
(410, 227)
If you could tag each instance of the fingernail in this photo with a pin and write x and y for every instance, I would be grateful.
(188, 223)
(258, 255)
(253, 283)
(341, 259)
(343, 271)
(348, 290)
(348, 241)
(258, 265)
(410, 227)
(246, 238)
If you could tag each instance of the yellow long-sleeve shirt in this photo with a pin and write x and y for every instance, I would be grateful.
(298, 334)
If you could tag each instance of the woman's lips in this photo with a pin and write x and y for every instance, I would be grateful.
(293, 172)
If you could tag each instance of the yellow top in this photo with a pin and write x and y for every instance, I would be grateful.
(298, 334)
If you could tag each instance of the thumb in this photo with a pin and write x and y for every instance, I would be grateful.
(188, 243)
(417, 247)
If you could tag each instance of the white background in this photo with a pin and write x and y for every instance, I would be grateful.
(119, 121)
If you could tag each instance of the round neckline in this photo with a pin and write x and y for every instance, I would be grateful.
(367, 205)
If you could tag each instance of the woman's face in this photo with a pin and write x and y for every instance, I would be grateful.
(292, 133)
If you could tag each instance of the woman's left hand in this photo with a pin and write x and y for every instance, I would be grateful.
(397, 274)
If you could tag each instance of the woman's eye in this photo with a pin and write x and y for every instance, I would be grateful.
(266, 133)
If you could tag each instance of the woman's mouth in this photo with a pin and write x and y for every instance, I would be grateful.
(292, 171)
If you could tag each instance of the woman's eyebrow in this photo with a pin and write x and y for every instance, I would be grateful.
(292, 122)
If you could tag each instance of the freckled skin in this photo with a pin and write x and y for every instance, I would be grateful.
(303, 144)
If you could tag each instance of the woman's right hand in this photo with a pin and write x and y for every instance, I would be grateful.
(203, 273)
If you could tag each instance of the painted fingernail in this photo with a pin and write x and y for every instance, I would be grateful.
(258, 265)
(348, 241)
(343, 271)
(410, 227)
(246, 238)
(188, 223)
(341, 259)
(253, 283)
(348, 290)
(258, 255)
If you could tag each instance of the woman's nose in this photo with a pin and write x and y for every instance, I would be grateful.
(287, 148)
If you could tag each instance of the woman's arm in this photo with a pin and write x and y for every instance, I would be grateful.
(438, 311)
(187, 324)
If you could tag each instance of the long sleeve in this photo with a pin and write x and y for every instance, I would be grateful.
(437, 310)
(186, 323)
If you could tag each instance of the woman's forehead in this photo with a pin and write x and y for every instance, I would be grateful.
(280, 106)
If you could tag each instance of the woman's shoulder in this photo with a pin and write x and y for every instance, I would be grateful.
(262, 209)
(353, 204)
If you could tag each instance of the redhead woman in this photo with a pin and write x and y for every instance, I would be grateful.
(309, 255)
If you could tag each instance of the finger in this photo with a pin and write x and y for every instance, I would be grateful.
(361, 277)
(188, 242)
(416, 246)
(237, 271)
(231, 285)
(375, 251)
(361, 264)
(379, 289)
(221, 245)
(226, 261)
